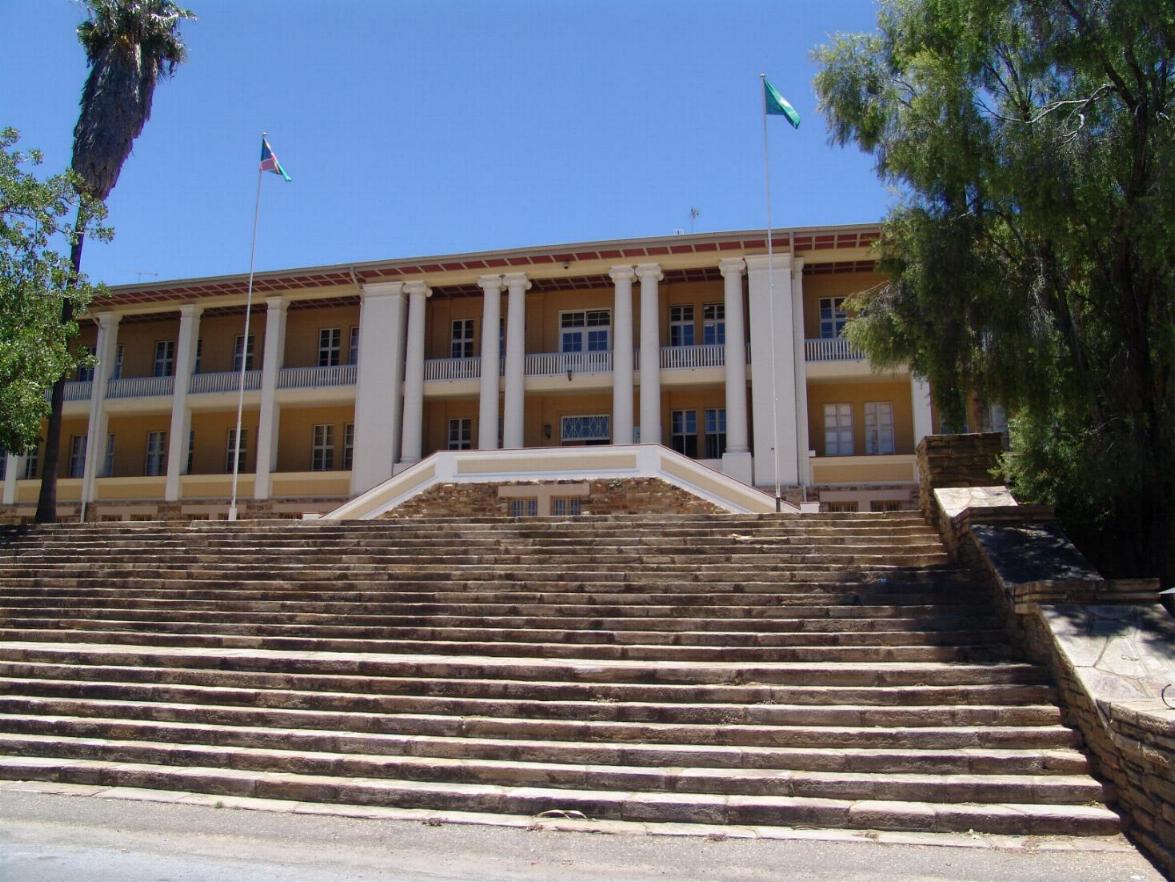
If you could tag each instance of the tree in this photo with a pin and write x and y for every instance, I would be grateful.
(34, 285)
(129, 44)
(1030, 258)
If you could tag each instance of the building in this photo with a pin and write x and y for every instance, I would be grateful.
(353, 373)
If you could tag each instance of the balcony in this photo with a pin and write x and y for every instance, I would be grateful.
(140, 387)
(452, 369)
(542, 364)
(223, 381)
(316, 377)
(78, 390)
(703, 356)
(831, 349)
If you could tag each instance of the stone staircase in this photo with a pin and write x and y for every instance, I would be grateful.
(828, 671)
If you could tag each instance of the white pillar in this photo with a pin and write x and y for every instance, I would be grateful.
(269, 419)
(622, 276)
(650, 275)
(513, 427)
(105, 355)
(736, 460)
(13, 469)
(181, 419)
(487, 418)
(413, 430)
(773, 363)
(920, 395)
(803, 462)
(377, 392)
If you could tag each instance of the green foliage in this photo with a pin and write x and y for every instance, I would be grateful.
(34, 281)
(1030, 259)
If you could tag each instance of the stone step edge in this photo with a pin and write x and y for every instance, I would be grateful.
(673, 777)
(689, 807)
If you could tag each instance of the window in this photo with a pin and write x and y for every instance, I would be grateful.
(585, 429)
(116, 374)
(879, 427)
(713, 323)
(566, 505)
(240, 347)
(885, 505)
(838, 430)
(524, 507)
(584, 330)
(32, 463)
(348, 445)
(156, 453)
(461, 434)
(322, 453)
(832, 317)
(353, 347)
(108, 459)
(77, 456)
(842, 507)
(199, 355)
(164, 358)
(329, 347)
(231, 444)
(191, 451)
(681, 326)
(684, 432)
(86, 371)
(461, 341)
(715, 432)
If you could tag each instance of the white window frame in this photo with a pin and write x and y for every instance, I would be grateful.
(155, 461)
(77, 457)
(681, 325)
(108, 458)
(461, 337)
(119, 352)
(713, 324)
(191, 451)
(838, 429)
(199, 355)
(833, 317)
(86, 372)
(322, 448)
(714, 432)
(353, 346)
(230, 440)
(879, 428)
(330, 347)
(249, 351)
(348, 446)
(164, 365)
(593, 428)
(585, 330)
(683, 432)
(32, 462)
(460, 433)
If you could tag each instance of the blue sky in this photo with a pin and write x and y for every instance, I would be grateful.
(415, 128)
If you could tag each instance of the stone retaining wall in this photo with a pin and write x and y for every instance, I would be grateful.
(956, 461)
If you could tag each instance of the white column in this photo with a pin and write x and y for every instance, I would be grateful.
(181, 418)
(622, 276)
(487, 418)
(514, 427)
(105, 355)
(13, 469)
(773, 363)
(650, 275)
(803, 462)
(920, 397)
(269, 422)
(413, 429)
(736, 460)
(377, 394)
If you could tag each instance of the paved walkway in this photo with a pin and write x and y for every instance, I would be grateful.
(133, 837)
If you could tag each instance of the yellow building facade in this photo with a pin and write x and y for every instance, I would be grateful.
(352, 374)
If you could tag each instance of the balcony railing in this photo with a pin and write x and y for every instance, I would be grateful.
(316, 377)
(76, 390)
(224, 381)
(541, 364)
(831, 349)
(705, 355)
(140, 387)
(452, 368)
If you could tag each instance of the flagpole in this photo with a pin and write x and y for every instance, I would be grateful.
(232, 506)
(771, 295)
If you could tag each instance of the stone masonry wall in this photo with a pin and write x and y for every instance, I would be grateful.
(613, 496)
(956, 461)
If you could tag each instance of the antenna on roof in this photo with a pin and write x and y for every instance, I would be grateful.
(678, 231)
(693, 216)
(141, 273)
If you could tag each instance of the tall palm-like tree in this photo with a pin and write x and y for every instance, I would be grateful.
(129, 44)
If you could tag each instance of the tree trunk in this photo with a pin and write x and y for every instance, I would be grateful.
(47, 501)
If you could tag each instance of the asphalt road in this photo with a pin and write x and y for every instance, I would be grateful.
(51, 838)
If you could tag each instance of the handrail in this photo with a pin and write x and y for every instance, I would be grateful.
(831, 349)
(316, 376)
(139, 387)
(223, 381)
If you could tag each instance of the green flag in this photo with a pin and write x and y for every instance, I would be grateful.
(777, 104)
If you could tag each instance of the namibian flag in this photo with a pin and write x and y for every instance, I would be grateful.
(777, 104)
(269, 161)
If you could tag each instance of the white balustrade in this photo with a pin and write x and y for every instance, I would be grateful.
(224, 381)
(831, 349)
(140, 387)
(78, 390)
(452, 369)
(701, 356)
(316, 377)
(540, 364)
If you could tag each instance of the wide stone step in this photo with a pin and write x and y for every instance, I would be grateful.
(933, 788)
(614, 711)
(965, 761)
(97, 632)
(683, 807)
